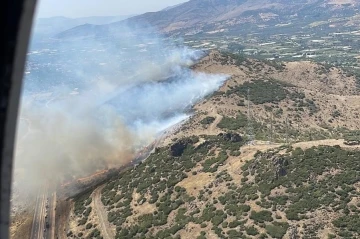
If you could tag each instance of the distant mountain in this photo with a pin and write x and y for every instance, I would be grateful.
(212, 15)
(171, 7)
(53, 25)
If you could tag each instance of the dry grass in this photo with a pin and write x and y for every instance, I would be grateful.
(190, 231)
(138, 210)
(233, 164)
(194, 183)
(21, 226)
(93, 218)
(330, 89)
(328, 142)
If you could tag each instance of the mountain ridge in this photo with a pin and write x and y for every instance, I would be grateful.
(229, 13)
(53, 25)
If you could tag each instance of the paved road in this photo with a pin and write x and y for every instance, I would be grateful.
(37, 230)
(43, 226)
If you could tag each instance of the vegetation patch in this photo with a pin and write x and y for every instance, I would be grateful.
(82, 208)
(349, 223)
(231, 58)
(157, 181)
(306, 176)
(262, 91)
(233, 123)
(352, 137)
(262, 216)
(277, 229)
(207, 120)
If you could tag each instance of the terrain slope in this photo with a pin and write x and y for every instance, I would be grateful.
(273, 154)
(197, 16)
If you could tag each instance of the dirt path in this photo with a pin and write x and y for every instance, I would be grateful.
(261, 145)
(233, 166)
(217, 120)
(248, 151)
(106, 229)
(328, 142)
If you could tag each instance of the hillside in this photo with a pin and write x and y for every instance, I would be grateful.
(198, 13)
(201, 16)
(319, 101)
(324, 31)
(206, 181)
(48, 27)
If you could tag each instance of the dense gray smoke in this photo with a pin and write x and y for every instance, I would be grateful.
(91, 104)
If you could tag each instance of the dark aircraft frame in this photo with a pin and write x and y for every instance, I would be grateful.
(16, 18)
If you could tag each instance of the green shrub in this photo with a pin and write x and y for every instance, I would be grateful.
(262, 91)
(202, 235)
(252, 231)
(82, 221)
(233, 123)
(331, 236)
(89, 225)
(237, 59)
(262, 216)
(224, 224)
(279, 200)
(234, 224)
(233, 234)
(348, 222)
(277, 230)
(95, 233)
(207, 120)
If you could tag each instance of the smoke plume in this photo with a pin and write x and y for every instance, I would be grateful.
(91, 104)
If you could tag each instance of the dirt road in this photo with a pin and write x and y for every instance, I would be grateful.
(106, 229)
(329, 142)
(214, 124)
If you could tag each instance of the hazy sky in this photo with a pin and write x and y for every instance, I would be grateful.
(85, 8)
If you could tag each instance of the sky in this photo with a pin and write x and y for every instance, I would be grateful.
(86, 8)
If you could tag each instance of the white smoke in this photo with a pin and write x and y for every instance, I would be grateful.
(89, 105)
